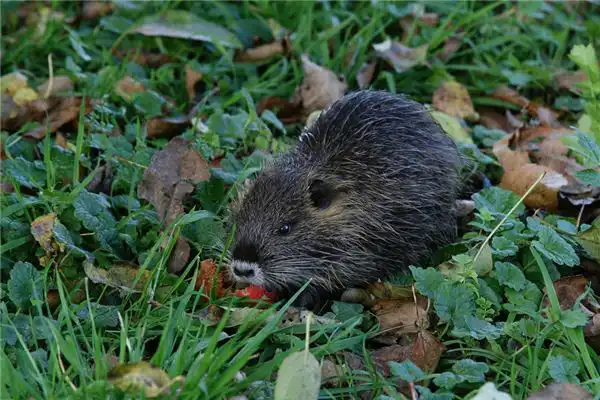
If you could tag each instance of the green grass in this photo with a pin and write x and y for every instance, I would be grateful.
(68, 351)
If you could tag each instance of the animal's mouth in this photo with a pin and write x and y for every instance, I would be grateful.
(248, 273)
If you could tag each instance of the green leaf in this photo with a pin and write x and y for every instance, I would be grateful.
(590, 240)
(299, 377)
(24, 285)
(477, 329)
(427, 281)
(92, 210)
(588, 176)
(563, 370)
(426, 394)
(554, 247)
(148, 103)
(447, 380)
(470, 371)
(502, 247)
(452, 300)
(573, 318)
(510, 275)
(585, 58)
(185, 25)
(585, 146)
(497, 200)
(345, 311)
(406, 370)
(104, 316)
(25, 173)
(526, 301)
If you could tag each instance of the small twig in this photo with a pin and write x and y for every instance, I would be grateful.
(51, 78)
(413, 392)
(64, 372)
(579, 216)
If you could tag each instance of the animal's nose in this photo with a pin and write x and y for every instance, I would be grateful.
(246, 252)
(244, 273)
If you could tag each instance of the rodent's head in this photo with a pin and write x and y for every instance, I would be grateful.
(284, 223)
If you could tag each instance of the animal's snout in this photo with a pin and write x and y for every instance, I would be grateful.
(246, 252)
(243, 272)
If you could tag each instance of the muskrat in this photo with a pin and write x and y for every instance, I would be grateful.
(369, 189)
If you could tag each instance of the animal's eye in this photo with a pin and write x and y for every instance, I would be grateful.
(285, 229)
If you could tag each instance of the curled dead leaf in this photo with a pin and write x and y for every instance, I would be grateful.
(544, 114)
(67, 111)
(399, 56)
(451, 45)
(570, 80)
(42, 232)
(520, 174)
(167, 127)
(126, 278)
(364, 77)
(55, 85)
(399, 317)
(142, 376)
(320, 87)
(264, 52)
(127, 87)
(289, 111)
(153, 60)
(561, 391)
(454, 99)
(96, 9)
(192, 77)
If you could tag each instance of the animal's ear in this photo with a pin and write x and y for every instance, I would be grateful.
(322, 194)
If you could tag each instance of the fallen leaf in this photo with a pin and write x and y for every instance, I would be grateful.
(55, 85)
(561, 391)
(67, 111)
(42, 232)
(568, 289)
(154, 60)
(299, 377)
(126, 278)
(167, 127)
(545, 115)
(264, 52)
(402, 58)
(170, 177)
(96, 9)
(492, 119)
(452, 127)
(520, 174)
(451, 45)
(399, 317)
(407, 22)
(172, 174)
(364, 77)
(185, 25)
(331, 373)
(453, 99)
(424, 350)
(192, 77)
(142, 376)
(320, 87)
(289, 111)
(61, 141)
(570, 80)
(127, 87)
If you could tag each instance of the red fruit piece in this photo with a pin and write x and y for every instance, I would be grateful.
(255, 293)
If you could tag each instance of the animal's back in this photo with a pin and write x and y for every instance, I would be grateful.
(401, 170)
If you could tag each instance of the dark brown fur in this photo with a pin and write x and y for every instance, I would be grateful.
(369, 190)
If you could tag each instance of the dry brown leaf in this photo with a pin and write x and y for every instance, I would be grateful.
(289, 110)
(545, 115)
(424, 350)
(42, 232)
(170, 177)
(407, 22)
(154, 60)
(568, 289)
(492, 119)
(399, 317)
(167, 127)
(96, 9)
(55, 85)
(451, 45)
(127, 278)
(264, 52)
(67, 111)
(569, 80)
(402, 58)
(561, 391)
(364, 77)
(128, 87)
(142, 376)
(192, 77)
(320, 87)
(520, 174)
(454, 99)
